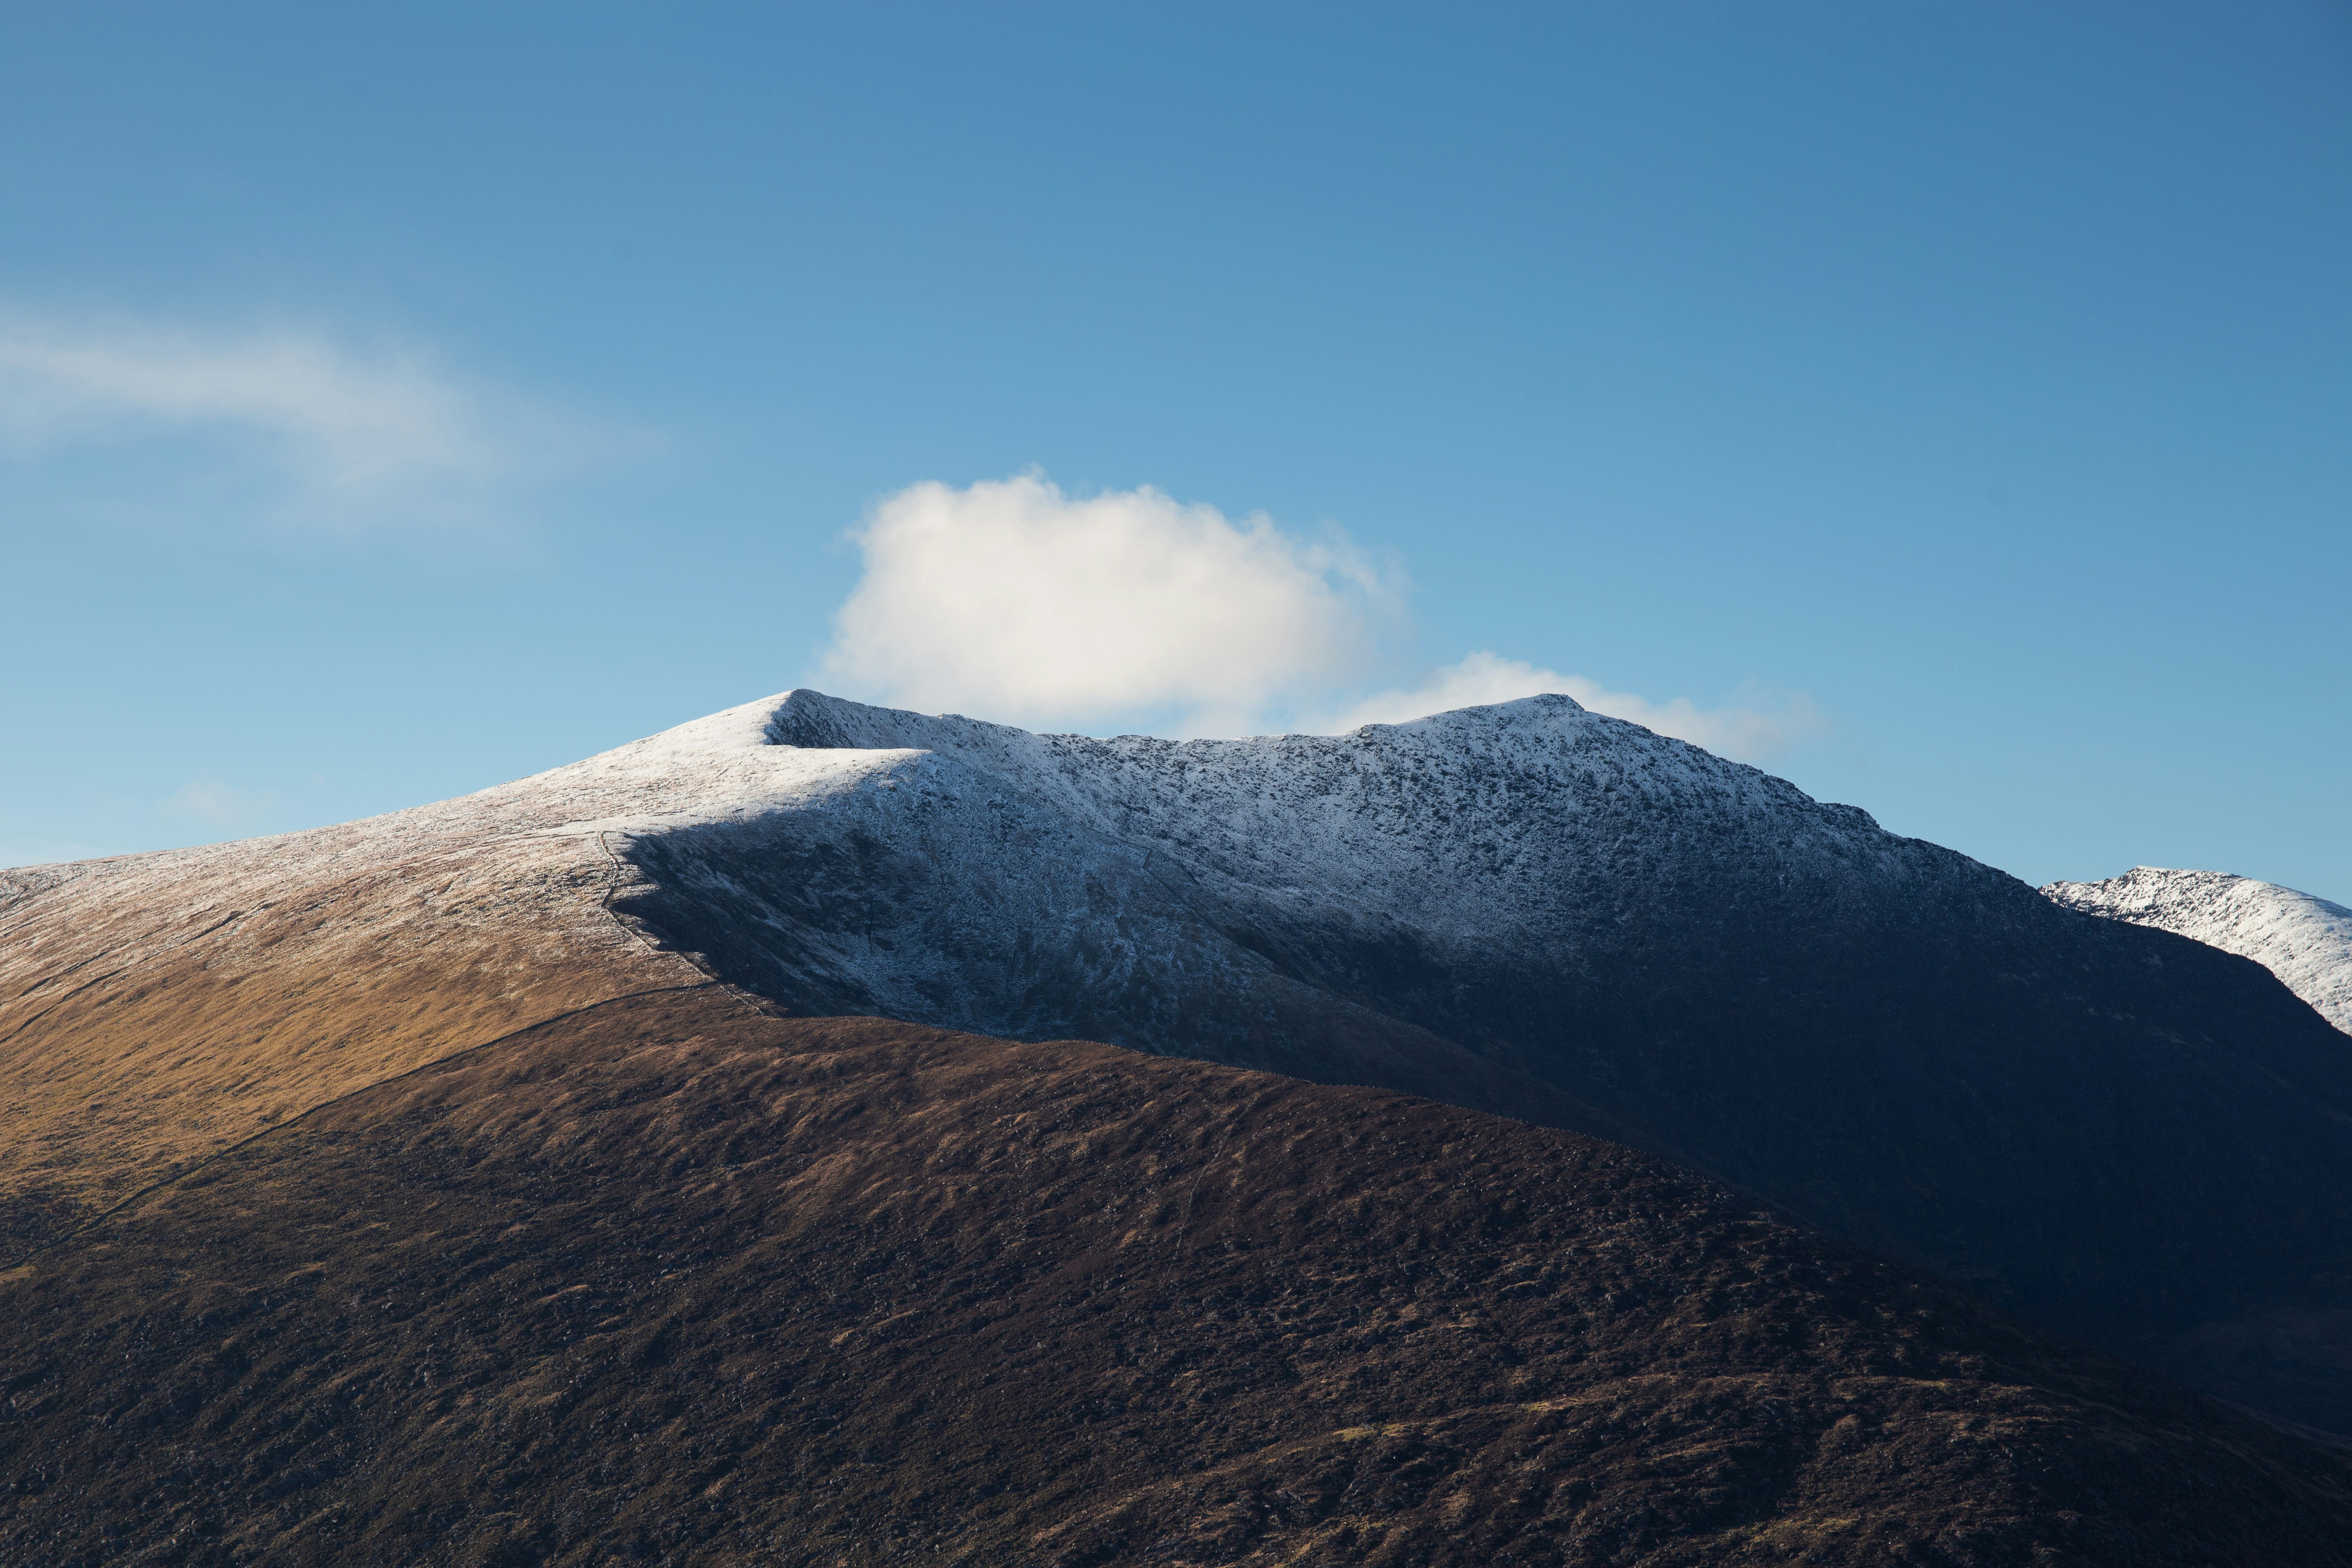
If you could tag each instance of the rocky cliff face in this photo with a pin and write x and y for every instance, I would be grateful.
(2306, 942)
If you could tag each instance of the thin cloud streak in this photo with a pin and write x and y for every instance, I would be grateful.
(210, 798)
(359, 421)
(359, 438)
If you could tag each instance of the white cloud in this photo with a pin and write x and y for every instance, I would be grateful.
(1013, 601)
(1747, 733)
(362, 436)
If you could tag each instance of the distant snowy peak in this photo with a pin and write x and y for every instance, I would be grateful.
(2306, 942)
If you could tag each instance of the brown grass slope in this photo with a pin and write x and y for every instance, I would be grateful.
(158, 1008)
(670, 1280)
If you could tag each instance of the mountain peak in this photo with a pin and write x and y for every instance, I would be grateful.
(2306, 941)
(1528, 909)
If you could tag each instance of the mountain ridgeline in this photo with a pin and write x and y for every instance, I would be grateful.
(1537, 910)
(2306, 942)
(582, 1171)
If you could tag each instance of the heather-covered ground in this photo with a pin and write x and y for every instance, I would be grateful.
(673, 1279)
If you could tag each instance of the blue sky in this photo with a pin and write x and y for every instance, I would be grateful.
(395, 405)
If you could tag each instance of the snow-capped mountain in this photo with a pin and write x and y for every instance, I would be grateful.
(2306, 942)
(1528, 909)
(1537, 910)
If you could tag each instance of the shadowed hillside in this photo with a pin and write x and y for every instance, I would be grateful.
(2116, 1132)
(672, 1280)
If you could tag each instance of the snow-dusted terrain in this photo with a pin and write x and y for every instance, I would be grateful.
(156, 1008)
(1285, 903)
(2306, 942)
(1535, 908)
(1246, 900)
(1528, 908)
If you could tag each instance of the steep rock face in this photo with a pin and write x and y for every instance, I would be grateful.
(668, 1281)
(1536, 909)
(2306, 942)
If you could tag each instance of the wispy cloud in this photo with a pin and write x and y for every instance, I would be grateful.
(1750, 733)
(1011, 600)
(358, 436)
(211, 799)
(1016, 602)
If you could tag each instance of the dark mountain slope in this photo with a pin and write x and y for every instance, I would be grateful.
(2120, 1133)
(669, 1280)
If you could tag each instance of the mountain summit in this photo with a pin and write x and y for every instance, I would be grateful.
(577, 1171)
(1526, 909)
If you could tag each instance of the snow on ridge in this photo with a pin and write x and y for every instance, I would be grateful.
(1554, 736)
(1535, 816)
(980, 876)
(1457, 822)
(2306, 941)
(799, 747)
(1450, 817)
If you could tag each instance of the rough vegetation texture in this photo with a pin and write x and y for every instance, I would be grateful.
(669, 1280)
(1529, 909)
(155, 1009)
(2306, 942)
(2115, 1132)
